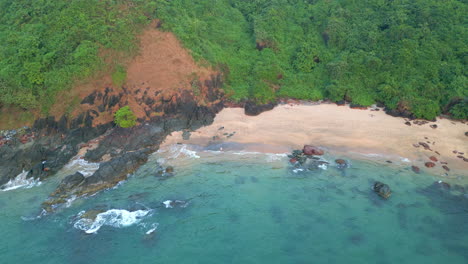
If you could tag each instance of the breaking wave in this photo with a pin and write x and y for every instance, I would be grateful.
(20, 181)
(117, 218)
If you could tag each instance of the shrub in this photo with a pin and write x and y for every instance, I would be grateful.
(124, 117)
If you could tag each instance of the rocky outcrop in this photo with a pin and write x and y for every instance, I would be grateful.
(51, 147)
(108, 175)
(129, 148)
(252, 109)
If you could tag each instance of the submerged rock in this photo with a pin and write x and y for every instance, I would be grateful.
(382, 189)
(341, 163)
(311, 150)
(415, 169)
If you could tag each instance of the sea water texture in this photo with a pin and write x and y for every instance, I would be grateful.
(244, 208)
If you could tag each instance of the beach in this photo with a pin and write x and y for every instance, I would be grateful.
(341, 130)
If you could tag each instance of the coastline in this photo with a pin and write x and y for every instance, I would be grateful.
(362, 134)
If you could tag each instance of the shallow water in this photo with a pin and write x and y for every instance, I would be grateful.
(244, 208)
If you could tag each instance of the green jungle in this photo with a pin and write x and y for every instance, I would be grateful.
(404, 54)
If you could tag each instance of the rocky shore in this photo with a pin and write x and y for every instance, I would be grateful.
(50, 144)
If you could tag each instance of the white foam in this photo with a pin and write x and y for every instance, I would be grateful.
(153, 228)
(168, 203)
(20, 181)
(179, 149)
(297, 170)
(271, 157)
(82, 166)
(405, 160)
(117, 218)
(323, 166)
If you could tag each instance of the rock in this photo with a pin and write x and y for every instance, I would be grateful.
(445, 167)
(433, 158)
(293, 160)
(455, 151)
(408, 123)
(466, 133)
(416, 145)
(343, 102)
(382, 189)
(460, 157)
(311, 150)
(253, 109)
(169, 169)
(415, 169)
(340, 161)
(357, 106)
(433, 126)
(389, 161)
(425, 145)
(429, 164)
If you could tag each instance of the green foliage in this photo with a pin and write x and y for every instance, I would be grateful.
(460, 110)
(124, 117)
(47, 44)
(364, 51)
(119, 76)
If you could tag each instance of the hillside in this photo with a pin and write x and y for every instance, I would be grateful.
(408, 55)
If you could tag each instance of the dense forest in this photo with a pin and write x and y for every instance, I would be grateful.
(405, 54)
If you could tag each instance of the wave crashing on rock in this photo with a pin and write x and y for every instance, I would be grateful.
(115, 217)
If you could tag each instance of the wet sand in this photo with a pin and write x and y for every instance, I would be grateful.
(352, 132)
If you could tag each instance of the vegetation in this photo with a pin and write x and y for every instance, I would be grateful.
(124, 117)
(119, 76)
(401, 52)
(47, 44)
(404, 52)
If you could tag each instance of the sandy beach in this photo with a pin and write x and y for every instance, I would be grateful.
(367, 134)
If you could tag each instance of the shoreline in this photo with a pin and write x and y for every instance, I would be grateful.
(364, 134)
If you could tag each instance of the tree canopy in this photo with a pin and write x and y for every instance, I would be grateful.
(394, 52)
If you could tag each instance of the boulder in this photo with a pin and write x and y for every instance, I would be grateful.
(433, 158)
(340, 161)
(311, 150)
(382, 189)
(169, 169)
(446, 168)
(415, 169)
(429, 164)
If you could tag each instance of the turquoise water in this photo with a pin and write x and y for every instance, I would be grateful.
(246, 208)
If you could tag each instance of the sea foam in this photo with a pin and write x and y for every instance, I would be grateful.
(82, 166)
(20, 181)
(117, 218)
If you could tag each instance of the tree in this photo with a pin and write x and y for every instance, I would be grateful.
(125, 118)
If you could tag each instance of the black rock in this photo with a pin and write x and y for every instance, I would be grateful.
(253, 109)
(382, 189)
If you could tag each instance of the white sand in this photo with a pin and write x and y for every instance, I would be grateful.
(340, 130)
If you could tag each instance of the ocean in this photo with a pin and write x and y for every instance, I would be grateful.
(242, 207)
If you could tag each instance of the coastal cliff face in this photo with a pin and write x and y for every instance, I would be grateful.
(164, 87)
